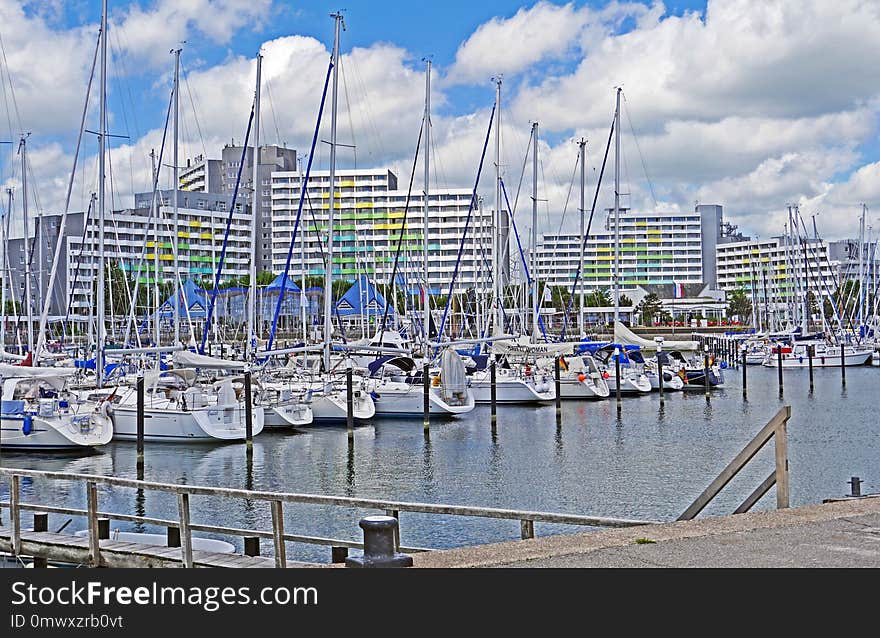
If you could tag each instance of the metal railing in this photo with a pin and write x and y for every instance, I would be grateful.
(276, 501)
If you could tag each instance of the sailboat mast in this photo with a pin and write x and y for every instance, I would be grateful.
(102, 145)
(155, 214)
(27, 252)
(536, 304)
(582, 145)
(250, 346)
(426, 305)
(177, 285)
(497, 252)
(617, 209)
(328, 271)
(4, 268)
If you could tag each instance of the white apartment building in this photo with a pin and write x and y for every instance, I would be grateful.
(655, 248)
(130, 240)
(776, 275)
(370, 219)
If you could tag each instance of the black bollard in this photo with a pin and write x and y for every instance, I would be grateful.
(426, 400)
(810, 360)
(842, 364)
(248, 414)
(779, 365)
(172, 536)
(140, 421)
(493, 399)
(41, 524)
(744, 366)
(379, 544)
(855, 484)
(349, 402)
(556, 373)
(103, 528)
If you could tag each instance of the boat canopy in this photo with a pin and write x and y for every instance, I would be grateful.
(626, 336)
(189, 359)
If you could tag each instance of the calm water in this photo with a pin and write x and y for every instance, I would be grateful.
(647, 464)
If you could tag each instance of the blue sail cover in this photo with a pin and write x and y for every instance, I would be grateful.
(362, 299)
(191, 300)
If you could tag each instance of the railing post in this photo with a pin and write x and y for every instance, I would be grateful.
(15, 513)
(41, 524)
(278, 534)
(526, 529)
(781, 441)
(94, 536)
(185, 531)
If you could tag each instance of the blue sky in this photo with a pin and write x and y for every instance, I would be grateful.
(724, 96)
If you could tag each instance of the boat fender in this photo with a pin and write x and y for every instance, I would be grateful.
(582, 377)
(375, 395)
(27, 425)
(436, 381)
(528, 370)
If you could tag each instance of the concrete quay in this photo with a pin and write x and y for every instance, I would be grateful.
(843, 534)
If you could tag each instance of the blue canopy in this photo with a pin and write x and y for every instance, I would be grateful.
(275, 286)
(362, 299)
(195, 302)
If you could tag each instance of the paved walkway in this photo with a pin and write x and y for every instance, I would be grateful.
(839, 534)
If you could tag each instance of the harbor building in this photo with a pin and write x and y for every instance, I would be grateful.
(371, 220)
(131, 238)
(776, 275)
(655, 248)
(219, 177)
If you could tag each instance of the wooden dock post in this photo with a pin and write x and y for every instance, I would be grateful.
(617, 353)
(41, 524)
(278, 533)
(557, 381)
(744, 367)
(92, 511)
(706, 371)
(248, 415)
(842, 364)
(349, 402)
(810, 359)
(779, 364)
(186, 553)
(493, 397)
(140, 425)
(660, 375)
(426, 397)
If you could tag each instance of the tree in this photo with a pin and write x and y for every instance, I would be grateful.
(648, 308)
(598, 299)
(739, 305)
(625, 301)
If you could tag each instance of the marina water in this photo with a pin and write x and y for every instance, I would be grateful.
(649, 463)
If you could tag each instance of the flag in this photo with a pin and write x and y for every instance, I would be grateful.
(677, 290)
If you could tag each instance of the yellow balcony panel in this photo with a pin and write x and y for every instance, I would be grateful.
(628, 241)
(641, 223)
(166, 257)
(151, 244)
(655, 240)
(652, 231)
(183, 233)
(363, 205)
(150, 256)
(195, 224)
(206, 235)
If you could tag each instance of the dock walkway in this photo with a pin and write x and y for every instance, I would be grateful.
(842, 534)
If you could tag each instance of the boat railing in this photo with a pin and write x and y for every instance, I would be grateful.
(182, 527)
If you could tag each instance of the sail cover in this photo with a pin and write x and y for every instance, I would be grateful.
(453, 380)
(188, 359)
(627, 337)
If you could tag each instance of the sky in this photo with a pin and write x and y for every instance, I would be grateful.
(751, 104)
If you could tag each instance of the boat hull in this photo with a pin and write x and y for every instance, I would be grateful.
(61, 434)
(215, 423)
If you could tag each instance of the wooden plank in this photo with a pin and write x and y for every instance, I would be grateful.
(278, 534)
(15, 513)
(92, 508)
(185, 531)
(527, 529)
(755, 496)
(781, 440)
(733, 468)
